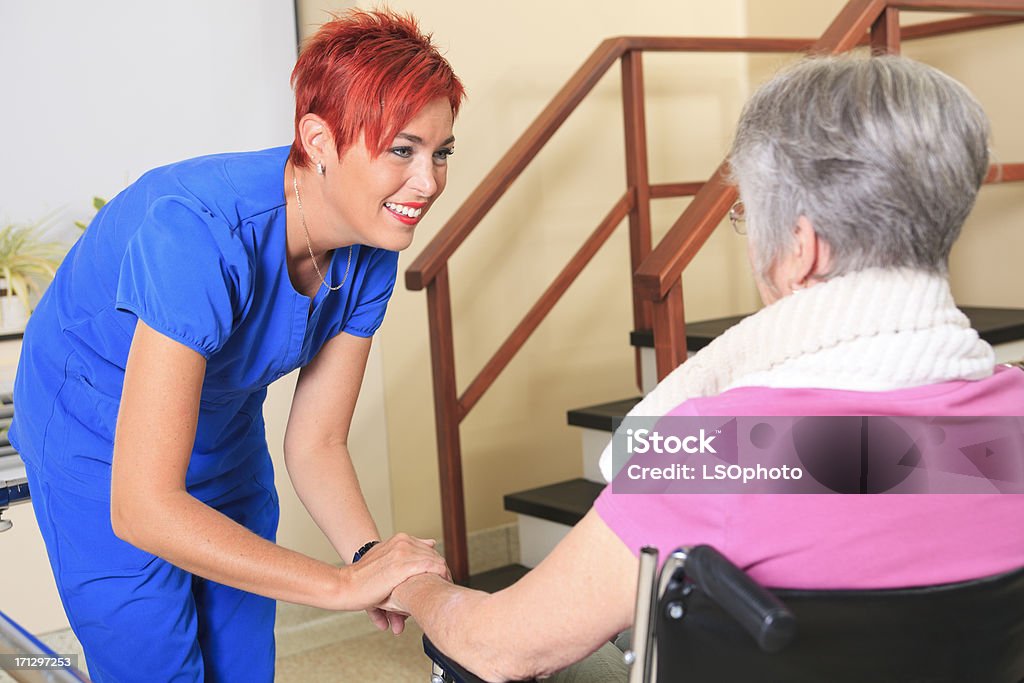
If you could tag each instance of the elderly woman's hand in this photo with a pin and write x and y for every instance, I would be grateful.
(401, 599)
(385, 619)
(390, 613)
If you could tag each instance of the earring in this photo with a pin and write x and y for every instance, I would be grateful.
(320, 168)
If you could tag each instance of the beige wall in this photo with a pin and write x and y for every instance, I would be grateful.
(513, 58)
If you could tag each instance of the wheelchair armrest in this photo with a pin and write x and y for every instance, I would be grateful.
(759, 612)
(451, 671)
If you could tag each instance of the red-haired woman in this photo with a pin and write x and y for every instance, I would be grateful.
(144, 369)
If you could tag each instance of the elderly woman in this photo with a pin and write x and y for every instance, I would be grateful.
(144, 369)
(856, 175)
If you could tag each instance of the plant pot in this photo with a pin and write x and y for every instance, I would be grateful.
(13, 312)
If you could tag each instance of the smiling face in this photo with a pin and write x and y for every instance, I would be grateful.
(378, 201)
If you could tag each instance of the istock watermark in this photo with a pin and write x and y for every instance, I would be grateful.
(646, 441)
(837, 454)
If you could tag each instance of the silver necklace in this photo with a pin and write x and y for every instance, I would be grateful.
(309, 245)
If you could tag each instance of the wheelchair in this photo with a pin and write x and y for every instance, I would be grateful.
(702, 619)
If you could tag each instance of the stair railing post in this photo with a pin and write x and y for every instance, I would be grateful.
(669, 331)
(447, 418)
(638, 181)
(885, 33)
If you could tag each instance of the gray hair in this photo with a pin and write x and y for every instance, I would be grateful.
(883, 155)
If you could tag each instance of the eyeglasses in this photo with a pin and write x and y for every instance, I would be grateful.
(738, 218)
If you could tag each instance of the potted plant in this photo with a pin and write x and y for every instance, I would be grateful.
(28, 261)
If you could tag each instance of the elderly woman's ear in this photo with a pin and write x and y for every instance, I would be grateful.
(812, 256)
(806, 261)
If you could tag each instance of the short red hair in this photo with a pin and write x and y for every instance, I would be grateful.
(370, 73)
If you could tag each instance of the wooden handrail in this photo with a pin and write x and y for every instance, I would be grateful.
(638, 179)
(1010, 7)
(849, 26)
(947, 27)
(686, 236)
(1005, 173)
(697, 44)
(665, 190)
(442, 361)
(884, 37)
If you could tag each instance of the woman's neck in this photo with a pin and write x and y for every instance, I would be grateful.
(303, 214)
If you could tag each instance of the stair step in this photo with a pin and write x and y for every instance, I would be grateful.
(699, 333)
(545, 515)
(601, 416)
(596, 423)
(1003, 328)
(994, 325)
(563, 503)
(496, 579)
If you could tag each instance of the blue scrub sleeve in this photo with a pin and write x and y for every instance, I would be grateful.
(375, 290)
(185, 274)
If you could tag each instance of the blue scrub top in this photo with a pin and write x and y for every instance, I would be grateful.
(196, 250)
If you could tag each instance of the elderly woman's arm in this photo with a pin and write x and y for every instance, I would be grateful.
(580, 596)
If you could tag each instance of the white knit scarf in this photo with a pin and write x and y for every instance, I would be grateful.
(873, 330)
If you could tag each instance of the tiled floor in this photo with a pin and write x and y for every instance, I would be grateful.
(373, 657)
(317, 645)
(320, 647)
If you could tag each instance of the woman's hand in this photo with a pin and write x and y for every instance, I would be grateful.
(385, 620)
(368, 583)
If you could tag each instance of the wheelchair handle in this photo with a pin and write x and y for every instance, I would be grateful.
(759, 612)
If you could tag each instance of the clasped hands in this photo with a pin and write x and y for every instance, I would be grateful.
(386, 566)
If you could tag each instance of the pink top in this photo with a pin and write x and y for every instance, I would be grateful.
(841, 541)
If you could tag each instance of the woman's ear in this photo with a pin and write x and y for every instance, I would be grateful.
(812, 255)
(315, 137)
